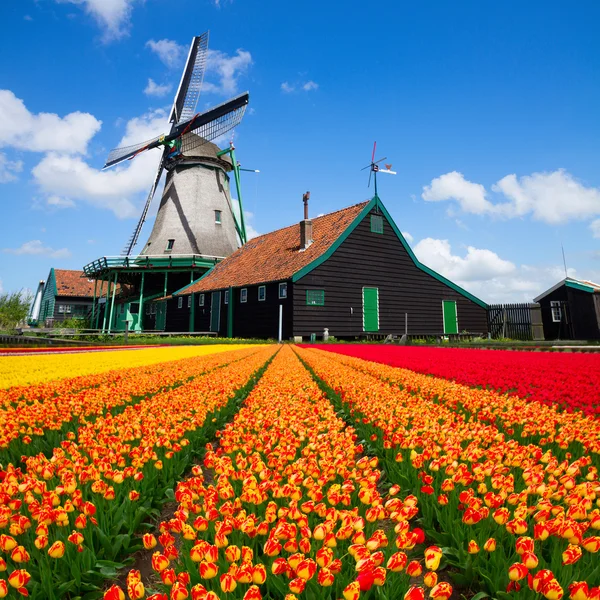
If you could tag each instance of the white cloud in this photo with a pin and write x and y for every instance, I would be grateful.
(453, 186)
(477, 265)
(552, 197)
(113, 16)
(595, 227)
(227, 69)
(169, 52)
(306, 86)
(287, 88)
(59, 202)
(310, 85)
(116, 189)
(409, 238)
(28, 18)
(43, 132)
(9, 168)
(155, 89)
(35, 247)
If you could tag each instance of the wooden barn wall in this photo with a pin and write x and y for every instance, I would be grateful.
(556, 331)
(367, 259)
(583, 315)
(202, 313)
(178, 319)
(71, 301)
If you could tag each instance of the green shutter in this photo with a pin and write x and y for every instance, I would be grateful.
(376, 224)
(450, 316)
(370, 309)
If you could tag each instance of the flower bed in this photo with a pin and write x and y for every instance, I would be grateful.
(571, 381)
(517, 509)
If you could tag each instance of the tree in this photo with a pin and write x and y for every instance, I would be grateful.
(14, 308)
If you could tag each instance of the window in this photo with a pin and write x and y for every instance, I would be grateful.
(170, 244)
(262, 293)
(65, 308)
(376, 224)
(180, 302)
(189, 301)
(244, 295)
(201, 300)
(218, 217)
(282, 290)
(556, 311)
(315, 297)
(226, 296)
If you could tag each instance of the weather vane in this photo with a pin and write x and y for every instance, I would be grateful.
(374, 168)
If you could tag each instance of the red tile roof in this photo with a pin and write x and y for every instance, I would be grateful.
(73, 283)
(276, 256)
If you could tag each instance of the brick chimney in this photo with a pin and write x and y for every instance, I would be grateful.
(306, 230)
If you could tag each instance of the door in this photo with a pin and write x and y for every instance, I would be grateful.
(370, 309)
(161, 316)
(450, 316)
(215, 311)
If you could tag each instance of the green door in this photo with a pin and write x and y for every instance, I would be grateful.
(450, 316)
(161, 316)
(370, 309)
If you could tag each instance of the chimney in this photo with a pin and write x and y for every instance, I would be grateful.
(306, 231)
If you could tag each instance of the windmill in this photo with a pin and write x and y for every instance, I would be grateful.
(374, 168)
(196, 215)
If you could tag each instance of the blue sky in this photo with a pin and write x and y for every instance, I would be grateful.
(488, 111)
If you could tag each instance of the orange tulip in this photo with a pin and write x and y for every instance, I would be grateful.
(228, 583)
(57, 550)
(579, 590)
(571, 555)
(433, 556)
(517, 571)
(442, 591)
(352, 591)
(114, 592)
(325, 577)
(149, 541)
(415, 592)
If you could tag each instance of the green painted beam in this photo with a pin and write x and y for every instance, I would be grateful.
(579, 286)
(112, 304)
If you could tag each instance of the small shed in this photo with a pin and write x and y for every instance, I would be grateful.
(571, 310)
(67, 294)
(350, 272)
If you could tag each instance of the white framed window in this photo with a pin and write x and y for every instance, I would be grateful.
(244, 295)
(180, 302)
(556, 311)
(189, 300)
(201, 300)
(262, 293)
(226, 297)
(283, 290)
(218, 217)
(65, 308)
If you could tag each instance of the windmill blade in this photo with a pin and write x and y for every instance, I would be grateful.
(380, 160)
(212, 124)
(186, 99)
(138, 229)
(117, 155)
(370, 173)
(373, 155)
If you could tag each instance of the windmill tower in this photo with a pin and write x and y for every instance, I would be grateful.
(197, 223)
(196, 215)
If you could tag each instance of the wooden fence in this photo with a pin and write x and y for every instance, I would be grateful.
(515, 321)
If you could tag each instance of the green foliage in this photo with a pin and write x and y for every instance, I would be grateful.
(72, 323)
(14, 308)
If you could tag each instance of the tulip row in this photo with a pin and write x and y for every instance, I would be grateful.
(38, 424)
(570, 380)
(22, 371)
(294, 510)
(511, 513)
(67, 518)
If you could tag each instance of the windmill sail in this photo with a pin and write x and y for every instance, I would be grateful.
(186, 99)
(209, 125)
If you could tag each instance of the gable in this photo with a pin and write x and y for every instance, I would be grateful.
(377, 207)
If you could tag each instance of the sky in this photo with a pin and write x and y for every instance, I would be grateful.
(487, 111)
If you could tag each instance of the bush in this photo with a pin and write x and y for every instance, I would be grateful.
(14, 308)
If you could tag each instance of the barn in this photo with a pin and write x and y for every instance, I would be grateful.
(350, 272)
(66, 294)
(571, 310)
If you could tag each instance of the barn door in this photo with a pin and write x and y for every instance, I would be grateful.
(161, 315)
(450, 316)
(370, 309)
(215, 311)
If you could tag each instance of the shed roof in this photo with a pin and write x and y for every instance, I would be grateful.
(579, 284)
(276, 256)
(73, 283)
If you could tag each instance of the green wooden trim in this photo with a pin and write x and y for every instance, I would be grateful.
(365, 211)
(185, 287)
(579, 286)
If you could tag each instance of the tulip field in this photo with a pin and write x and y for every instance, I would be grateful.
(291, 472)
